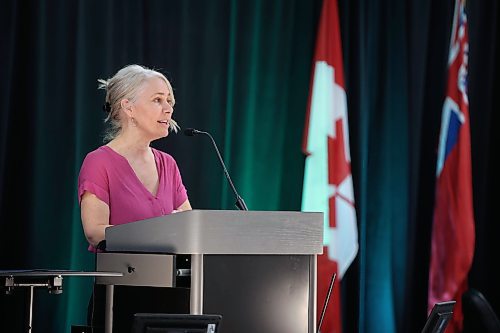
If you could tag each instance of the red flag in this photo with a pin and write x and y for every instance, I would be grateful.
(453, 226)
(327, 177)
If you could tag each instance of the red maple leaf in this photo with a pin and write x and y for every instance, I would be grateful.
(338, 166)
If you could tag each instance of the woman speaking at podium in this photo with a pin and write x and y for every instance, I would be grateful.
(126, 180)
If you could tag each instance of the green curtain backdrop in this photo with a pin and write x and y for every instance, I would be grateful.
(241, 70)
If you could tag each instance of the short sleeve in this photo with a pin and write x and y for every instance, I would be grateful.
(180, 192)
(93, 178)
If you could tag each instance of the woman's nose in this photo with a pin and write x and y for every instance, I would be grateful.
(167, 108)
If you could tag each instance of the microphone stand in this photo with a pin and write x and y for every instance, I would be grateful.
(240, 203)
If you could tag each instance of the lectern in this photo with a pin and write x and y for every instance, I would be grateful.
(255, 268)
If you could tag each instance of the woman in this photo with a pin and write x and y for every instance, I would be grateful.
(126, 180)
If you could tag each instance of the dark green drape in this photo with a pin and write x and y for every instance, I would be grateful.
(241, 70)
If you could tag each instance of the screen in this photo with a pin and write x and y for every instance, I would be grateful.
(175, 323)
(439, 317)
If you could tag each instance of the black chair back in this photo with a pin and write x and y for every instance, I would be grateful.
(479, 316)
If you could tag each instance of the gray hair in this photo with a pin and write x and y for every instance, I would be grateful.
(125, 84)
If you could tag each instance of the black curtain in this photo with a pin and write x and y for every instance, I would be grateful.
(241, 70)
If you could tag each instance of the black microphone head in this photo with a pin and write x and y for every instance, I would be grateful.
(190, 132)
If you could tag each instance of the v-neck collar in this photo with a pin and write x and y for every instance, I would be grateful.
(121, 157)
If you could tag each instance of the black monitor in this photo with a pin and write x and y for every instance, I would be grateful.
(439, 317)
(175, 323)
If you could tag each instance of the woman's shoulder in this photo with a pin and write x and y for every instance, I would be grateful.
(99, 155)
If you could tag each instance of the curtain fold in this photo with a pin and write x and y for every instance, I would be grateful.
(241, 70)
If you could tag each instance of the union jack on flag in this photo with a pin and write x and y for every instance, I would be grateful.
(453, 234)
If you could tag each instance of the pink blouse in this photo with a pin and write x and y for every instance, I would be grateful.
(110, 177)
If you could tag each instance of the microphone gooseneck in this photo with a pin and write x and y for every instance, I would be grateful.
(240, 203)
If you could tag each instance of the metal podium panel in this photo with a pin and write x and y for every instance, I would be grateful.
(153, 270)
(256, 293)
(221, 232)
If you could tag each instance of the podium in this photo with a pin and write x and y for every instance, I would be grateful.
(255, 268)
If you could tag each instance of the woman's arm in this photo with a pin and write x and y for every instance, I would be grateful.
(95, 218)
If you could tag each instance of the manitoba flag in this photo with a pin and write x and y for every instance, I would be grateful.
(452, 246)
(327, 178)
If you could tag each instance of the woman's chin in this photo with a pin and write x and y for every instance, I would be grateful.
(159, 136)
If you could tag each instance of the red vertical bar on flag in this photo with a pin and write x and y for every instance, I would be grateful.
(453, 234)
(328, 184)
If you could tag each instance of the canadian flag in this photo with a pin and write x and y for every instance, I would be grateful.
(328, 184)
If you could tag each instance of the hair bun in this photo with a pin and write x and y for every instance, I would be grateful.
(106, 107)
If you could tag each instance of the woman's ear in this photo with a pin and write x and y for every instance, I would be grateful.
(126, 106)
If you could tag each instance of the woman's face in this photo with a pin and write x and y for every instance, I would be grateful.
(152, 108)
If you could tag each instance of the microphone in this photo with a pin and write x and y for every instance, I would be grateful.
(192, 132)
(240, 203)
